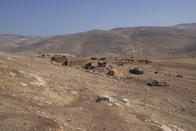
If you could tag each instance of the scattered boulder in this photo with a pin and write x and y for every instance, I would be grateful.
(101, 63)
(60, 59)
(152, 82)
(106, 98)
(136, 71)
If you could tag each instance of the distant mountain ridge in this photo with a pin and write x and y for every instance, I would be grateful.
(176, 40)
(189, 27)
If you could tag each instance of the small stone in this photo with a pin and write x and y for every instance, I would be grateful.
(105, 98)
(183, 108)
(12, 74)
(193, 101)
(23, 84)
(21, 71)
(125, 101)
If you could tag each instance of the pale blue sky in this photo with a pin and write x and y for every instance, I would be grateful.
(53, 17)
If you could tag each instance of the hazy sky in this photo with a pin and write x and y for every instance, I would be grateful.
(50, 17)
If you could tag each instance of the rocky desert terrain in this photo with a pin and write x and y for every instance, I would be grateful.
(124, 79)
(37, 94)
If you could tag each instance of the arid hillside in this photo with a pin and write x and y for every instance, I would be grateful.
(8, 42)
(37, 94)
(178, 40)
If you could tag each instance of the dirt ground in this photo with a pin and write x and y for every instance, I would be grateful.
(38, 95)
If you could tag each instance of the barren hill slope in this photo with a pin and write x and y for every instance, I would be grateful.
(8, 42)
(97, 42)
(176, 40)
(162, 40)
